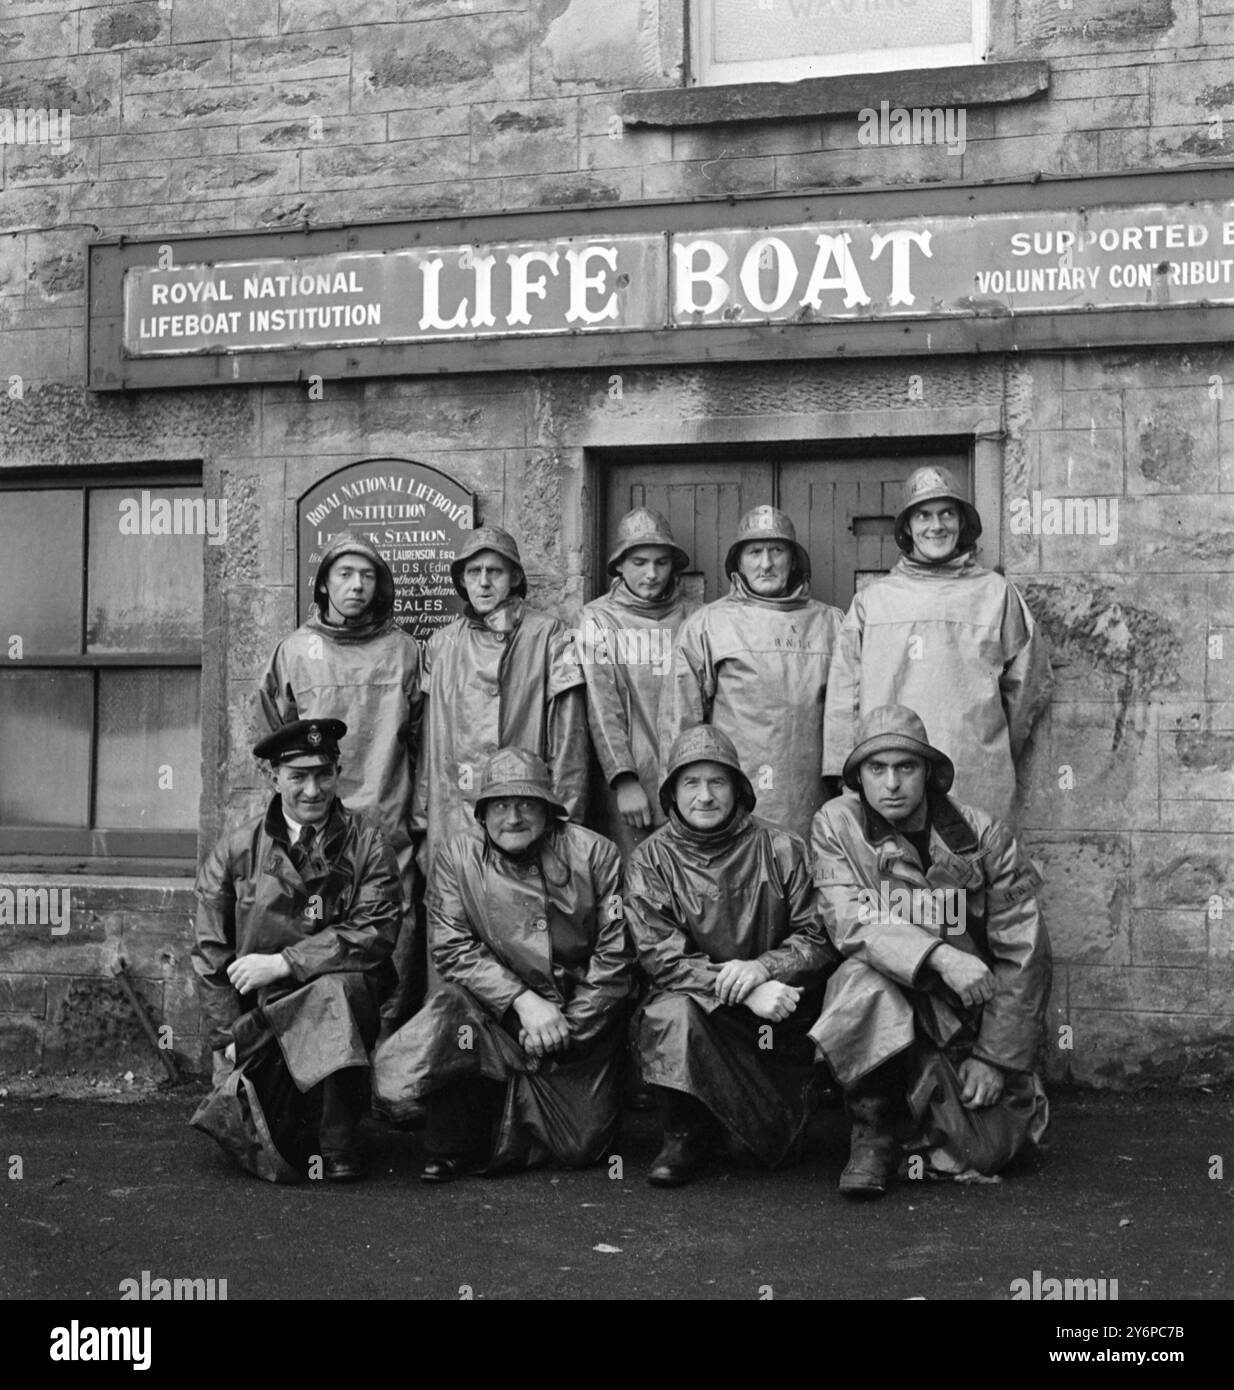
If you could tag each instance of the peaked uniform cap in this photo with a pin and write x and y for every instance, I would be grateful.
(645, 526)
(517, 772)
(896, 729)
(703, 743)
(301, 738)
(766, 523)
(935, 483)
(488, 538)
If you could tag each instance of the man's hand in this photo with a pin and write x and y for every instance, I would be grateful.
(230, 1053)
(737, 978)
(773, 1000)
(248, 973)
(970, 977)
(632, 804)
(544, 1025)
(983, 1084)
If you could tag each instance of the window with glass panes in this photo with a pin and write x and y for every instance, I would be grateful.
(788, 40)
(100, 671)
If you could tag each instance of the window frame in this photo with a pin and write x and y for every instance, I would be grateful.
(94, 848)
(700, 74)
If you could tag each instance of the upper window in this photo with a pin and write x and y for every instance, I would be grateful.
(788, 40)
(100, 667)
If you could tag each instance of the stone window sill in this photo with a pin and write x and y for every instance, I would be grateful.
(976, 84)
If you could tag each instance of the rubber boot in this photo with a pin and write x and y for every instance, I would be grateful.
(873, 1152)
(688, 1129)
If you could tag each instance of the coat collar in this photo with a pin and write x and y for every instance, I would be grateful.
(332, 834)
(623, 596)
(953, 842)
(798, 597)
(707, 845)
(962, 566)
(504, 618)
(552, 860)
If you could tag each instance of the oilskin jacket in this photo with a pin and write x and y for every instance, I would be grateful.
(368, 676)
(867, 876)
(695, 899)
(341, 915)
(509, 679)
(956, 643)
(499, 926)
(556, 926)
(757, 668)
(626, 654)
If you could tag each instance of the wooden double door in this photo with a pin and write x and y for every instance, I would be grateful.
(843, 510)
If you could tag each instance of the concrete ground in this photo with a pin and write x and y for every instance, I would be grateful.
(1136, 1188)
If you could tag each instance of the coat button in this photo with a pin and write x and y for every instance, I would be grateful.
(540, 924)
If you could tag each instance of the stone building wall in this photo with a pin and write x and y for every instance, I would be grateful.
(202, 116)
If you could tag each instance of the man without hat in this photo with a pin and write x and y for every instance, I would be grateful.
(350, 658)
(933, 1023)
(948, 638)
(754, 663)
(501, 675)
(626, 649)
(298, 914)
(516, 1056)
(724, 914)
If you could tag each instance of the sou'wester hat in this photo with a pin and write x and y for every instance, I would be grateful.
(704, 744)
(767, 523)
(517, 772)
(488, 538)
(896, 729)
(934, 483)
(645, 526)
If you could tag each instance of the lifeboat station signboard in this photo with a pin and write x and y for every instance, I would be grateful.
(633, 290)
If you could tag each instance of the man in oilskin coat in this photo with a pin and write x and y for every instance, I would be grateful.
(516, 1056)
(949, 638)
(502, 675)
(723, 912)
(933, 1022)
(351, 660)
(298, 910)
(754, 663)
(627, 640)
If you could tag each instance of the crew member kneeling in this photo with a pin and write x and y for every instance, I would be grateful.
(724, 914)
(517, 1055)
(932, 1023)
(299, 912)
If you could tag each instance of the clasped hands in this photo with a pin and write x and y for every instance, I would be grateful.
(748, 982)
(543, 1025)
